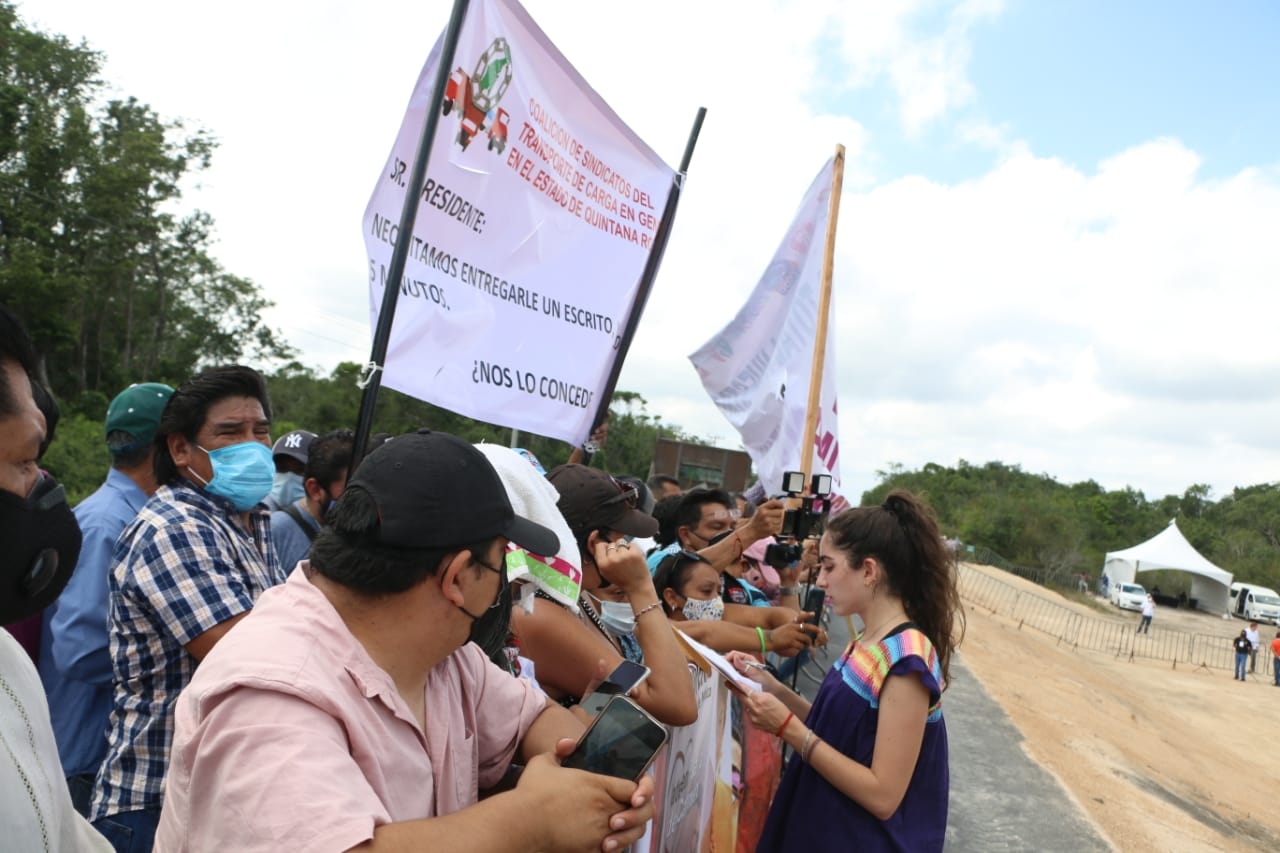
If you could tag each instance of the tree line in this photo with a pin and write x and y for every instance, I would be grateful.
(1033, 520)
(114, 282)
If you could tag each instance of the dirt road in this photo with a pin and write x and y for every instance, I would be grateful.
(1179, 759)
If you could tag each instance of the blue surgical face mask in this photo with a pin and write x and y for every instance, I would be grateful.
(286, 487)
(617, 616)
(697, 609)
(242, 473)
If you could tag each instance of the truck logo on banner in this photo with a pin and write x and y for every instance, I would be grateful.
(525, 261)
(477, 97)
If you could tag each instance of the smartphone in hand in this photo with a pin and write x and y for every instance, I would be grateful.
(626, 677)
(814, 601)
(622, 741)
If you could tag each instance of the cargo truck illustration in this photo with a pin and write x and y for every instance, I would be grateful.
(476, 96)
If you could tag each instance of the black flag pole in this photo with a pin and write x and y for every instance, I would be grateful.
(372, 381)
(647, 277)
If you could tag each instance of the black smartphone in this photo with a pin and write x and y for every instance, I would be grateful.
(622, 741)
(813, 602)
(625, 678)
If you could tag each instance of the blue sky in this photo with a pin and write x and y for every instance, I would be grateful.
(1057, 235)
(1082, 80)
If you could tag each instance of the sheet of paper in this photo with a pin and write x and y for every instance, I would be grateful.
(736, 680)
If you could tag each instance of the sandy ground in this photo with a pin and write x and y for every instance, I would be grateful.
(1158, 758)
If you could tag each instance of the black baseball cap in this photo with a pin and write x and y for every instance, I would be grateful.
(434, 490)
(590, 498)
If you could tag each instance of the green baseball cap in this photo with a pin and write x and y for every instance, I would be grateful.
(137, 410)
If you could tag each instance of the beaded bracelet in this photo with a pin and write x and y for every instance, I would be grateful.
(639, 613)
(760, 633)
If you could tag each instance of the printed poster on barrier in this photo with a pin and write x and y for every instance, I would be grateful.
(535, 220)
(757, 369)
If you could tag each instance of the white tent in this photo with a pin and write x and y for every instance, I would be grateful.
(1169, 549)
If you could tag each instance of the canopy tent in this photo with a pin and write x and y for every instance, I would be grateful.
(1169, 549)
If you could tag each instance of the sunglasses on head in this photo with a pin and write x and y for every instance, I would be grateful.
(626, 495)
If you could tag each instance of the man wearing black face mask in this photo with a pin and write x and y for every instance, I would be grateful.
(183, 573)
(295, 525)
(41, 544)
(349, 710)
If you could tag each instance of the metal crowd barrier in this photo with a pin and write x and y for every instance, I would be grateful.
(1094, 633)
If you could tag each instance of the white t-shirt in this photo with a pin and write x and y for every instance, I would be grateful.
(1251, 634)
(35, 805)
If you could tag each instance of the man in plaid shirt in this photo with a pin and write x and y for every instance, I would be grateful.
(184, 572)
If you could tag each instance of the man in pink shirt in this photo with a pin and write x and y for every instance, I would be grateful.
(348, 711)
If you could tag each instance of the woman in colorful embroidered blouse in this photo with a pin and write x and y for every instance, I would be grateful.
(870, 765)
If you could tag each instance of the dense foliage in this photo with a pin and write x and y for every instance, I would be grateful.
(302, 399)
(113, 282)
(1033, 520)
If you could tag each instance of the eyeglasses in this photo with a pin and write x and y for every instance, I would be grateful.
(502, 577)
(626, 494)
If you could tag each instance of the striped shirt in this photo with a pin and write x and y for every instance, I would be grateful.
(185, 565)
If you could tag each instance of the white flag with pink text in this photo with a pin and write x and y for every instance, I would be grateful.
(757, 369)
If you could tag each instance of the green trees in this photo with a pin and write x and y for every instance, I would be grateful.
(115, 285)
(1032, 520)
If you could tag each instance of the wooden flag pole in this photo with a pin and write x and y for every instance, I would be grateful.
(824, 308)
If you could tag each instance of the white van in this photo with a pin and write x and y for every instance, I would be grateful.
(1255, 603)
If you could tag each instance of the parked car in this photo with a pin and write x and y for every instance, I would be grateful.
(1128, 596)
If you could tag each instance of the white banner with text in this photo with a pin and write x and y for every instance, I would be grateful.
(534, 223)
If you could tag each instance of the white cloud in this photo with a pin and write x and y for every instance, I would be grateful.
(1114, 325)
(1111, 323)
(923, 52)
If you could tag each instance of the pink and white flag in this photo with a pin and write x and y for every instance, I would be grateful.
(757, 369)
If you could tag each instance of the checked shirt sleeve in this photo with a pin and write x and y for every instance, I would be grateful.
(189, 577)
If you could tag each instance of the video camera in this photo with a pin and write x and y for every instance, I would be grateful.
(802, 522)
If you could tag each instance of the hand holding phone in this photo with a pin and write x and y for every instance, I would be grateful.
(813, 603)
(621, 741)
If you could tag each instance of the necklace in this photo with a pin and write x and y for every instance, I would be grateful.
(592, 617)
(894, 620)
(595, 619)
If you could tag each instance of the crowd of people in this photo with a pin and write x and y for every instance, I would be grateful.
(241, 644)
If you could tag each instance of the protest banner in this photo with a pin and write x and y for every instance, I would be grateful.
(760, 368)
(716, 777)
(535, 219)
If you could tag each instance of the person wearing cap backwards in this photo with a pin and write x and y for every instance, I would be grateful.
(289, 455)
(349, 711)
(574, 652)
(75, 665)
(182, 574)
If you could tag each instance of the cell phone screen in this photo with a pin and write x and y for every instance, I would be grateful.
(621, 742)
(626, 676)
(813, 602)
